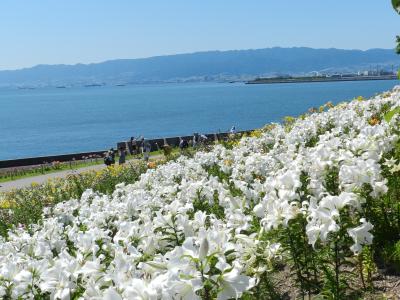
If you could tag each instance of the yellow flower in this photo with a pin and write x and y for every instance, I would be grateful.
(329, 104)
(5, 204)
(373, 121)
(269, 127)
(312, 110)
(289, 119)
(256, 133)
(151, 165)
(227, 162)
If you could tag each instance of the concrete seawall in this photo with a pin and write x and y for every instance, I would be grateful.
(327, 79)
(156, 144)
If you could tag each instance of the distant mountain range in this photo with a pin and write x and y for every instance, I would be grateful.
(205, 66)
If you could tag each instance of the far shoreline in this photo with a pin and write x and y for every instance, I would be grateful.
(319, 79)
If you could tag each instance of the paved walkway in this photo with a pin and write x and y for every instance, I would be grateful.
(26, 182)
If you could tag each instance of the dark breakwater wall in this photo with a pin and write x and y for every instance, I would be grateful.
(156, 144)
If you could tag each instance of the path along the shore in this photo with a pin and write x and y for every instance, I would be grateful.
(27, 182)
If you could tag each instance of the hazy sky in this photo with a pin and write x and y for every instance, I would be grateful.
(85, 31)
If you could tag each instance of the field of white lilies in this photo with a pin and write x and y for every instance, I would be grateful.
(315, 200)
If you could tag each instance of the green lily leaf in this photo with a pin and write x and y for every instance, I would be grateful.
(391, 113)
(396, 5)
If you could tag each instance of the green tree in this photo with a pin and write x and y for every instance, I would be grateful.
(396, 6)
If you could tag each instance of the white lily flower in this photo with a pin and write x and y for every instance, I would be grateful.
(361, 235)
(115, 246)
(233, 284)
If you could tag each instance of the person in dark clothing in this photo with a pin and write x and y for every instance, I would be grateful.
(112, 153)
(130, 145)
(109, 159)
(122, 156)
(134, 146)
(195, 139)
(183, 144)
(140, 144)
(146, 148)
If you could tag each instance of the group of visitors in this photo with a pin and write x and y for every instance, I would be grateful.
(140, 145)
(136, 146)
(109, 157)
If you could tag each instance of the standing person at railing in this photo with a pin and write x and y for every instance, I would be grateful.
(130, 143)
(195, 139)
(140, 144)
(146, 150)
(134, 146)
(183, 146)
(122, 156)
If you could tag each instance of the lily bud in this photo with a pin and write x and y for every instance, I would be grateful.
(204, 247)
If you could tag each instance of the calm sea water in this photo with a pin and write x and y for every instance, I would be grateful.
(55, 121)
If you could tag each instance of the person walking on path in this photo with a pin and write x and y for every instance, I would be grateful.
(122, 156)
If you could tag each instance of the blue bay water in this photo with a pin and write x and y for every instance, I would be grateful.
(54, 121)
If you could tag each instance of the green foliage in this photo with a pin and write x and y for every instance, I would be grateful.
(332, 181)
(288, 123)
(301, 256)
(388, 116)
(398, 50)
(367, 267)
(312, 141)
(396, 251)
(335, 262)
(391, 256)
(231, 141)
(171, 234)
(201, 203)
(384, 212)
(396, 5)
(216, 171)
(266, 289)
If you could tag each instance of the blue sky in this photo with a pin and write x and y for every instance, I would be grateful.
(86, 31)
